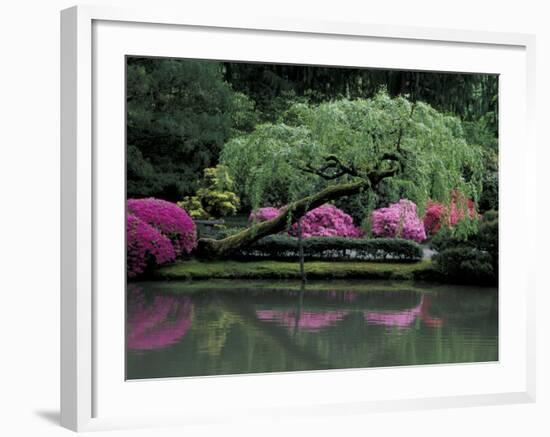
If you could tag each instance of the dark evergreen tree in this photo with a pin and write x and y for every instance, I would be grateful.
(180, 113)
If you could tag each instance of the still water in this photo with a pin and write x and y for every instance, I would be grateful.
(219, 328)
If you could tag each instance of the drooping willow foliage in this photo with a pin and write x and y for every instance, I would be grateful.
(273, 164)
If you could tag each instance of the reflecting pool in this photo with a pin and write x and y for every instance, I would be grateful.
(227, 327)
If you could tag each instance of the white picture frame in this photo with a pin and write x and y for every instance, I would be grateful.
(93, 39)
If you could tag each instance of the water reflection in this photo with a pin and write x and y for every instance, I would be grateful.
(308, 320)
(184, 329)
(158, 321)
(215, 328)
(405, 318)
(346, 296)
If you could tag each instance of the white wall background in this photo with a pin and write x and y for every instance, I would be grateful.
(29, 214)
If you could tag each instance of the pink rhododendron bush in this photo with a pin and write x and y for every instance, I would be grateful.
(157, 232)
(263, 214)
(169, 219)
(145, 245)
(324, 221)
(327, 221)
(399, 220)
(433, 217)
(438, 214)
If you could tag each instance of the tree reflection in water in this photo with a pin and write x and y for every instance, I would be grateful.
(182, 329)
(300, 319)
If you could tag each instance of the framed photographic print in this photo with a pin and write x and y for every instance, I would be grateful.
(269, 218)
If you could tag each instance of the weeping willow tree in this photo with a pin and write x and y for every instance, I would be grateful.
(321, 153)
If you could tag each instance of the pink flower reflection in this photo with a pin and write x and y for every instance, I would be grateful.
(307, 320)
(405, 318)
(433, 322)
(157, 324)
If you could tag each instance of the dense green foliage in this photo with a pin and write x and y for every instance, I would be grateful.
(473, 259)
(271, 164)
(463, 264)
(335, 248)
(481, 132)
(179, 115)
(485, 237)
(489, 195)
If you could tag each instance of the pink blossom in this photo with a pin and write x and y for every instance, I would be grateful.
(263, 214)
(433, 217)
(324, 221)
(398, 220)
(438, 214)
(327, 221)
(145, 246)
(169, 219)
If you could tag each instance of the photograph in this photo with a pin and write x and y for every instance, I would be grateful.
(241, 219)
(286, 217)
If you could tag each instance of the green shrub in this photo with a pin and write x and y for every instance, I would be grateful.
(490, 216)
(487, 238)
(484, 238)
(446, 238)
(465, 265)
(214, 198)
(489, 194)
(335, 248)
(471, 260)
(194, 208)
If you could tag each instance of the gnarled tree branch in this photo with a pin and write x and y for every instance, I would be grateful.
(210, 248)
(333, 168)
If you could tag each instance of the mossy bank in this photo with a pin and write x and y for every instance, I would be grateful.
(195, 269)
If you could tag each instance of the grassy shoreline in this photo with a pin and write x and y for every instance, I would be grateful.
(228, 269)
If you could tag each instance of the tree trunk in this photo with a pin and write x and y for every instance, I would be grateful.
(301, 251)
(210, 248)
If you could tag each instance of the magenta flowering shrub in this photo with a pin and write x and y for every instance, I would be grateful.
(327, 221)
(263, 214)
(145, 246)
(324, 221)
(398, 220)
(168, 218)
